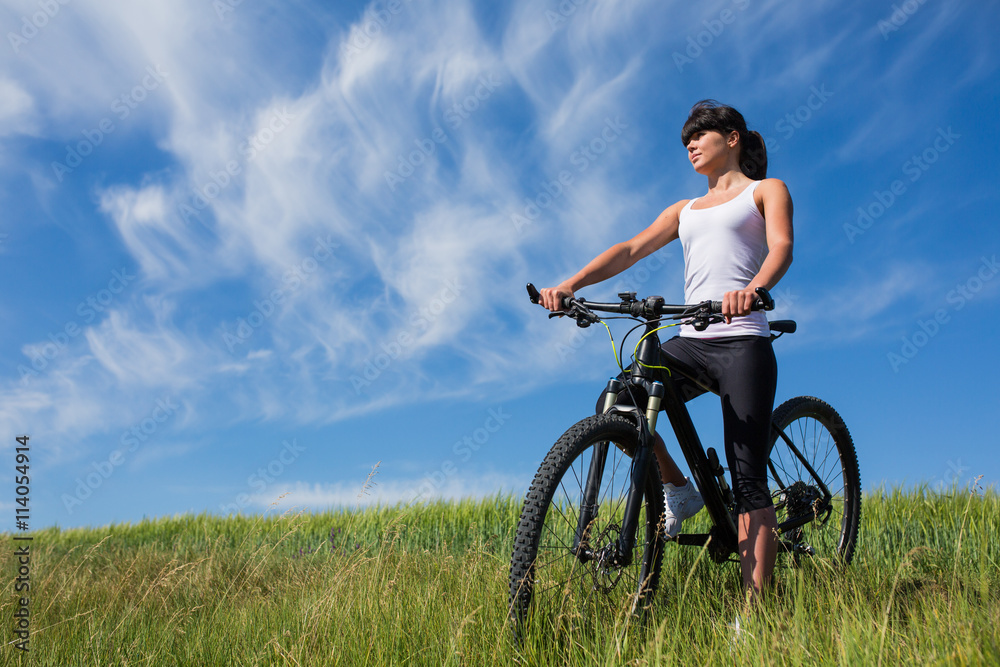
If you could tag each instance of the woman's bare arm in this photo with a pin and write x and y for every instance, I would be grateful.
(618, 257)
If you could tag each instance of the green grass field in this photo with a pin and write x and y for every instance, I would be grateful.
(427, 585)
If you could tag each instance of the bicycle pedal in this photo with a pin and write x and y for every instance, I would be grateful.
(692, 539)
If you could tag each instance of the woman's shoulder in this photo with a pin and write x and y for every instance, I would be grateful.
(679, 206)
(770, 188)
(772, 194)
(772, 185)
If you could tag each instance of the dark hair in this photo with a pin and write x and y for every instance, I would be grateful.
(711, 115)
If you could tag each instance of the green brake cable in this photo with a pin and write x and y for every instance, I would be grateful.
(636, 352)
(614, 350)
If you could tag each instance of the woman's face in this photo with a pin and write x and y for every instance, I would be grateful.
(709, 150)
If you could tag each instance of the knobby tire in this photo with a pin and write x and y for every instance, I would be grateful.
(822, 438)
(548, 582)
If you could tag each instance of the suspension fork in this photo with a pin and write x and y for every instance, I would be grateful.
(647, 355)
(588, 505)
(637, 481)
(640, 467)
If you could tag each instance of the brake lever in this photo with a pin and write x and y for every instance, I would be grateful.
(702, 316)
(584, 317)
(701, 322)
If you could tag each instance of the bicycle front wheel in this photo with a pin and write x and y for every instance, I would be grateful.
(566, 568)
(814, 479)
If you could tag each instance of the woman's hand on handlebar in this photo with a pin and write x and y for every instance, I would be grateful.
(738, 303)
(552, 297)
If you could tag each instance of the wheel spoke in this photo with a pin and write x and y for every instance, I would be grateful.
(557, 578)
(829, 451)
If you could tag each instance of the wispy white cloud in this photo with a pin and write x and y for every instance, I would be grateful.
(157, 356)
(17, 109)
(860, 306)
(268, 170)
(314, 496)
(368, 157)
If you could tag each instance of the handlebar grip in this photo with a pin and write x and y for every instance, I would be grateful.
(764, 302)
(716, 306)
(536, 297)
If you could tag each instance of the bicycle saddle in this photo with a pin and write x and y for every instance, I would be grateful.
(782, 326)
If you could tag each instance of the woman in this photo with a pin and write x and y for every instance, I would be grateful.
(736, 238)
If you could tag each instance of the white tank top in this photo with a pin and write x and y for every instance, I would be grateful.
(724, 247)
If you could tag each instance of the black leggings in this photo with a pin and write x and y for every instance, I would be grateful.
(744, 372)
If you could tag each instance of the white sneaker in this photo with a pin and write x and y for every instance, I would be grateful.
(737, 635)
(680, 502)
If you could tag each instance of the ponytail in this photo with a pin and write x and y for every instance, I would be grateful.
(753, 156)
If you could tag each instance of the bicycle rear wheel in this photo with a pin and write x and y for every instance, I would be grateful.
(812, 453)
(549, 582)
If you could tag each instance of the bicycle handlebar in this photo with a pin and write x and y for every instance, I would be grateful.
(651, 307)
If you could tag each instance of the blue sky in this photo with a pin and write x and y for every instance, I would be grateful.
(257, 248)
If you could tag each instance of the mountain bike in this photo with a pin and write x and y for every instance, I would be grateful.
(590, 538)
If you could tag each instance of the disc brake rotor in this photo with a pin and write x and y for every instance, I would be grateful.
(607, 571)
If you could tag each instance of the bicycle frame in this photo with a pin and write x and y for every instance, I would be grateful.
(706, 469)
